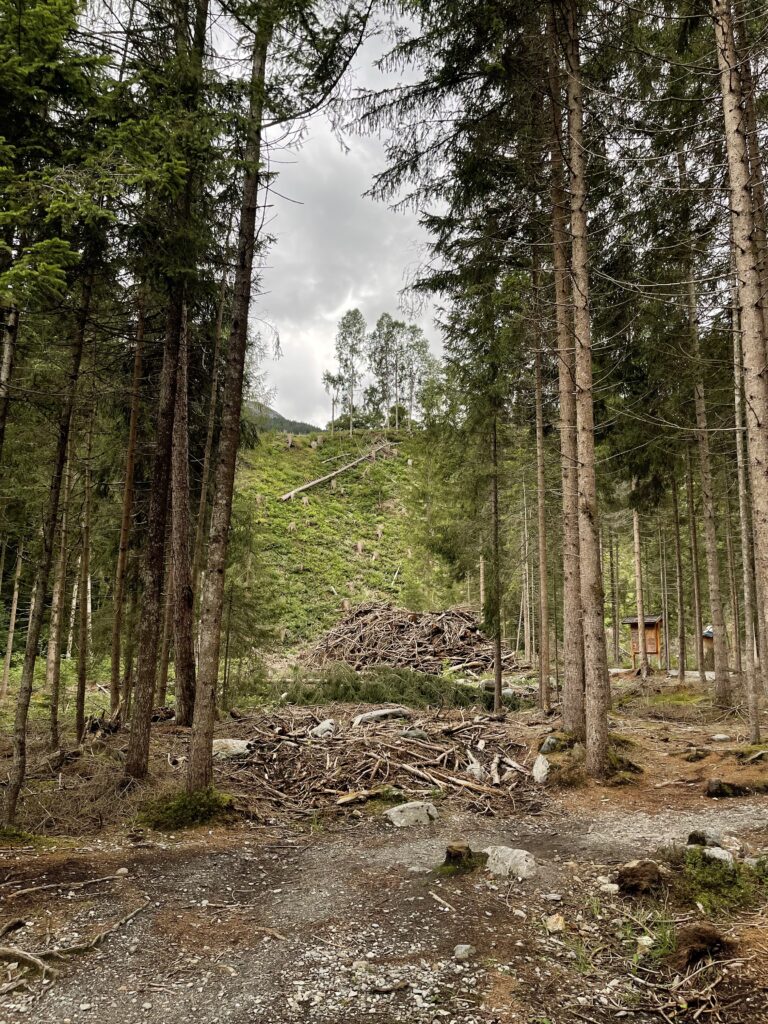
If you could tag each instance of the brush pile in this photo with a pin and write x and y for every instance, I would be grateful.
(297, 764)
(430, 642)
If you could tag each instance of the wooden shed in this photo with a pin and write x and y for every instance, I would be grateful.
(653, 644)
(708, 645)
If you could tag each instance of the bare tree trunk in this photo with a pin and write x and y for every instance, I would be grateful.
(10, 332)
(748, 287)
(482, 585)
(698, 623)
(734, 597)
(205, 477)
(83, 646)
(2, 563)
(541, 485)
(19, 766)
(161, 697)
(126, 686)
(53, 658)
(592, 599)
(679, 586)
(573, 638)
(73, 610)
(526, 585)
(496, 568)
(614, 570)
(747, 570)
(664, 600)
(200, 767)
(639, 597)
(181, 574)
(12, 622)
(127, 512)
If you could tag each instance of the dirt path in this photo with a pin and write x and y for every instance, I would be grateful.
(351, 924)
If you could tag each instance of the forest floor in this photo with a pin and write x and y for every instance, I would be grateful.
(342, 917)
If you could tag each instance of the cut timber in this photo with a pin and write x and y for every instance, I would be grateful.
(330, 476)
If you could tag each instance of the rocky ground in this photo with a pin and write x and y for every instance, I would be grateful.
(350, 920)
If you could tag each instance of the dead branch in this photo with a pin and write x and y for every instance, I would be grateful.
(337, 472)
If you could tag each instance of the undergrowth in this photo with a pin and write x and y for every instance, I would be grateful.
(719, 886)
(185, 810)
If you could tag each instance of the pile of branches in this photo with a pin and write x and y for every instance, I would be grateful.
(288, 771)
(429, 642)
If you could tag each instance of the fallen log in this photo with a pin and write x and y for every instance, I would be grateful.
(336, 472)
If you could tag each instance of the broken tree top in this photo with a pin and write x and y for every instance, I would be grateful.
(431, 642)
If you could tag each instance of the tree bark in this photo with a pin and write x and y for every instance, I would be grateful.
(679, 587)
(181, 569)
(12, 622)
(127, 512)
(614, 570)
(664, 599)
(639, 597)
(747, 569)
(10, 333)
(161, 696)
(698, 624)
(748, 283)
(53, 657)
(83, 642)
(541, 485)
(496, 568)
(573, 638)
(19, 766)
(592, 598)
(733, 591)
(200, 767)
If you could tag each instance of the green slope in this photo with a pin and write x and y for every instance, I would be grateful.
(301, 556)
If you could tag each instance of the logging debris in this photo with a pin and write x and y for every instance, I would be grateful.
(429, 642)
(290, 773)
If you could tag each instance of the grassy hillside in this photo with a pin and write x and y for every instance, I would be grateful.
(299, 559)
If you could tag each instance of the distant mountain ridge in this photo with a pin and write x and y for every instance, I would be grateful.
(272, 420)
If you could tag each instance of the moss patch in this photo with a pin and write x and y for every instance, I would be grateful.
(185, 810)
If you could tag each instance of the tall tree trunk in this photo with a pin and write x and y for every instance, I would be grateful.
(495, 568)
(679, 587)
(10, 332)
(127, 512)
(748, 286)
(734, 596)
(526, 584)
(747, 569)
(205, 476)
(3, 550)
(161, 697)
(19, 766)
(614, 569)
(73, 611)
(12, 622)
(574, 721)
(592, 599)
(698, 623)
(53, 657)
(541, 485)
(181, 574)
(83, 644)
(642, 646)
(200, 767)
(482, 585)
(664, 600)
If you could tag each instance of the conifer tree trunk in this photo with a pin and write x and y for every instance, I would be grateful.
(127, 512)
(679, 586)
(639, 597)
(592, 599)
(747, 564)
(7, 353)
(698, 624)
(541, 484)
(200, 767)
(12, 622)
(83, 644)
(181, 570)
(734, 597)
(73, 610)
(614, 569)
(573, 638)
(19, 766)
(161, 696)
(664, 599)
(3, 550)
(53, 658)
(748, 283)
(496, 568)
(526, 584)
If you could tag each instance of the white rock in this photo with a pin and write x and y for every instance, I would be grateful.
(225, 749)
(540, 769)
(716, 853)
(555, 923)
(720, 737)
(418, 812)
(122, 871)
(463, 952)
(380, 715)
(325, 729)
(609, 888)
(507, 862)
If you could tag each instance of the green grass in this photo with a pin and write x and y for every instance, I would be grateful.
(720, 887)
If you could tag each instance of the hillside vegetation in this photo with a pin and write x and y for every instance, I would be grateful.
(359, 538)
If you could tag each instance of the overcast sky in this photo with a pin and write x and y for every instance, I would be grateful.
(335, 250)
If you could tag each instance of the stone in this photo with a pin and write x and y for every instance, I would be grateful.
(122, 872)
(717, 789)
(540, 769)
(717, 853)
(554, 924)
(463, 951)
(639, 877)
(609, 888)
(701, 837)
(507, 862)
(417, 812)
(720, 737)
(227, 749)
(324, 730)
(414, 734)
(380, 715)
(550, 745)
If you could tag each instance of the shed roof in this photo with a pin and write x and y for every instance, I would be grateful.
(649, 620)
